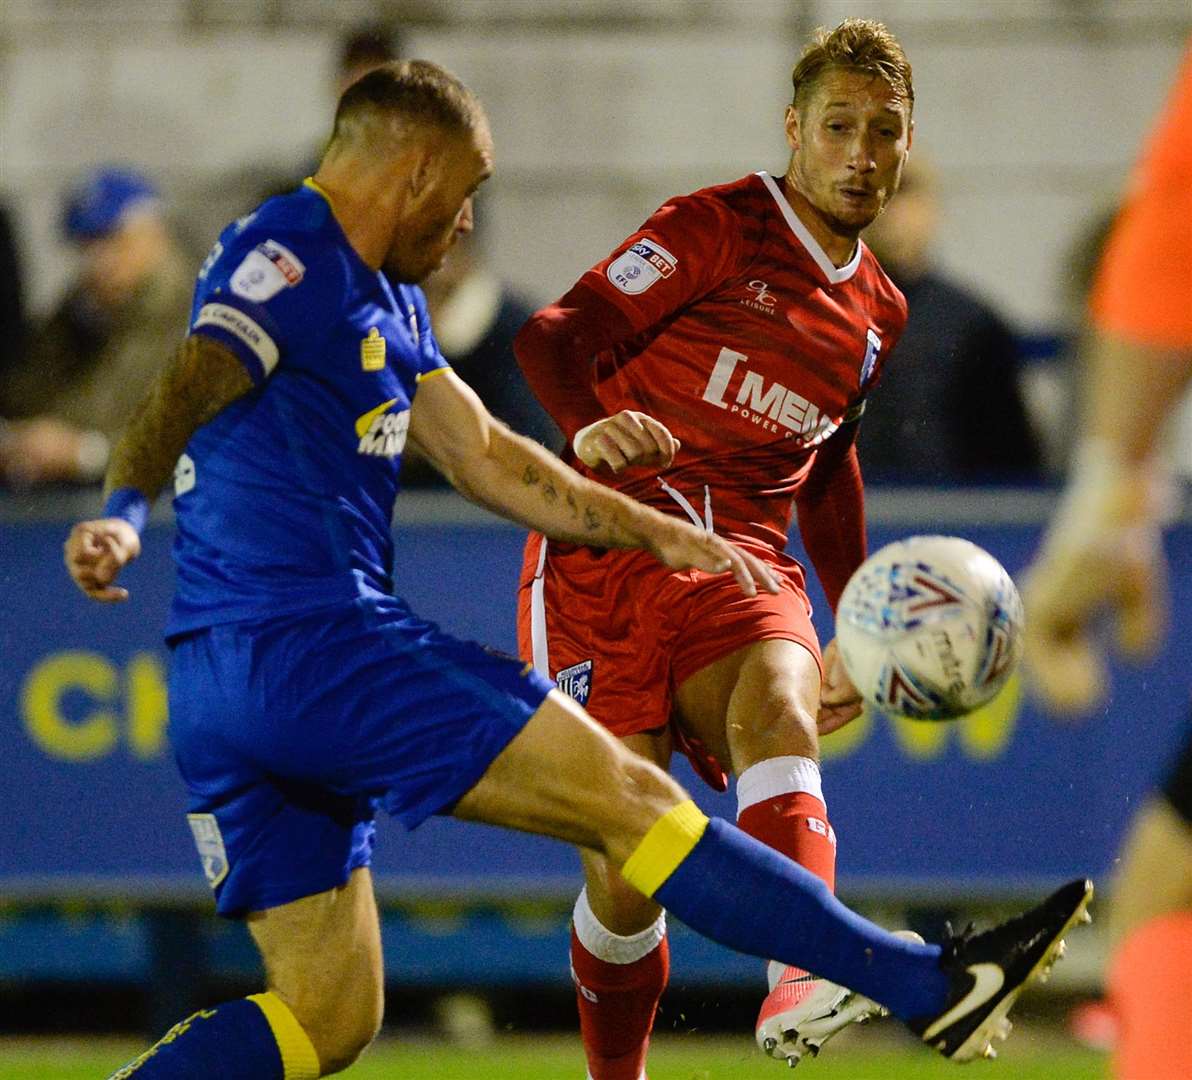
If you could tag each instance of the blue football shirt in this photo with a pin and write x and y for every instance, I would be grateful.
(284, 500)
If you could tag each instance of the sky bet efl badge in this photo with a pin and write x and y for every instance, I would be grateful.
(640, 265)
(372, 351)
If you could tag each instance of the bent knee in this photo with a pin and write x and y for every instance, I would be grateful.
(646, 794)
(341, 1031)
(792, 732)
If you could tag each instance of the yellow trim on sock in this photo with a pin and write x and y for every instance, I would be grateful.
(298, 1058)
(669, 841)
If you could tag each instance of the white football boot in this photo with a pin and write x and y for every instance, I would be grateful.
(802, 1011)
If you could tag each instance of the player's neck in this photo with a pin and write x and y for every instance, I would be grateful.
(354, 204)
(839, 247)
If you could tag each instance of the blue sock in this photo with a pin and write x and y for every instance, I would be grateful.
(255, 1038)
(743, 894)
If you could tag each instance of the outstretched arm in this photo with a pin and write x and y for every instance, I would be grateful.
(202, 379)
(492, 466)
(1102, 551)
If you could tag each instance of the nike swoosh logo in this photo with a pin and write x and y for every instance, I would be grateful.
(987, 981)
(363, 423)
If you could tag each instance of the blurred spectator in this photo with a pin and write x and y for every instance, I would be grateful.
(362, 49)
(88, 365)
(476, 317)
(949, 408)
(12, 298)
(359, 51)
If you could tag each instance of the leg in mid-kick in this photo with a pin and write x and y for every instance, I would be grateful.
(564, 776)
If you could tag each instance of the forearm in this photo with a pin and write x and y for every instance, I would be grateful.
(521, 481)
(1116, 483)
(201, 380)
(1131, 390)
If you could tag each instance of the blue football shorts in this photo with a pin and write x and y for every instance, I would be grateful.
(291, 733)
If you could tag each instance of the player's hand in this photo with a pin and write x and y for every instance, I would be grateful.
(682, 546)
(96, 551)
(840, 701)
(1071, 588)
(624, 439)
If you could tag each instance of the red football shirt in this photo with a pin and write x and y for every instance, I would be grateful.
(725, 320)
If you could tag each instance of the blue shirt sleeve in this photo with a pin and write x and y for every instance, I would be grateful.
(263, 296)
(430, 357)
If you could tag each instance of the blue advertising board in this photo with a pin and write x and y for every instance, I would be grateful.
(1003, 801)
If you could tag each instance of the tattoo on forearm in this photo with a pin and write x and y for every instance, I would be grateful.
(591, 519)
(572, 504)
(530, 476)
(550, 493)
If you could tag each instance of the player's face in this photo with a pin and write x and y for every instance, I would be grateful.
(849, 142)
(445, 213)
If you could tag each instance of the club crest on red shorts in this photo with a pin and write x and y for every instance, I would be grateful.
(576, 681)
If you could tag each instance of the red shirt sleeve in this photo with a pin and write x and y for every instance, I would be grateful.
(555, 349)
(677, 256)
(830, 504)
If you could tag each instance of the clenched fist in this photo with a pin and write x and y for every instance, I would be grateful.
(624, 439)
(96, 551)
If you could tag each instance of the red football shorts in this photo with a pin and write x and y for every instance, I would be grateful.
(618, 631)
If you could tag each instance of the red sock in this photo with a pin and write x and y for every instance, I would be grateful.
(794, 823)
(782, 806)
(617, 1003)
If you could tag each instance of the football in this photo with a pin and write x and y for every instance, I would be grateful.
(929, 627)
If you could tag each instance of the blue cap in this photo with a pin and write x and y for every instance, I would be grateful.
(96, 206)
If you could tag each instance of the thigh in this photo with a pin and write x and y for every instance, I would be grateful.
(322, 956)
(375, 701)
(564, 776)
(594, 622)
(754, 704)
(748, 669)
(719, 620)
(267, 834)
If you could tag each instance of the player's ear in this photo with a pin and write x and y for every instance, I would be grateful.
(791, 124)
(423, 170)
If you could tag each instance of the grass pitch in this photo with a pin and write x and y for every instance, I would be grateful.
(854, 1056)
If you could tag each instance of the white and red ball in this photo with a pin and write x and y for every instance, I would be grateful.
(929, 627)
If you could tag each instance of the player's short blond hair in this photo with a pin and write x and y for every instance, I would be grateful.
(855, 45)
(413, 91)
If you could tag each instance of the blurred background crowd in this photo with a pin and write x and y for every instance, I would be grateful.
(133, 131)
